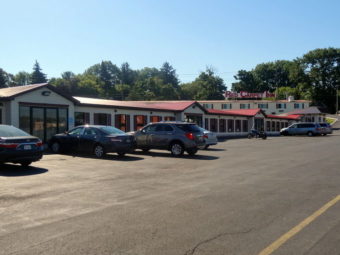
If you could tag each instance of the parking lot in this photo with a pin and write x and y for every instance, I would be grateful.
(238, 197)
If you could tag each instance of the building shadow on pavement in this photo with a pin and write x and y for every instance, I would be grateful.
(11, 170)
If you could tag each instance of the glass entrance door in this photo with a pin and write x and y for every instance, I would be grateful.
(43, 122)
(51, 123)
(38, 122)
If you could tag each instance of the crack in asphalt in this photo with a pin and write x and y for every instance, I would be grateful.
(193, 250)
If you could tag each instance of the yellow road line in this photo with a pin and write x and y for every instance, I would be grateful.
(284, 238)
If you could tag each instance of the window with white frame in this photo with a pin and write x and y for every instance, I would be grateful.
(208, 106)
(263, 106)
(227, 106)
(281, 106)
(244, 106)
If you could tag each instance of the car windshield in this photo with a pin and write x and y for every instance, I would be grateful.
(189, 127)
(9, 131)
(111, 130)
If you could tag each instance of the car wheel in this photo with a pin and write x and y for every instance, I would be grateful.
(310, 133)
(192, 152)
(176, 149)
(121, 154)
(55, 147)
(145, 150)
(25, 163)
(206, 147)
(98, 151)
(250, 136)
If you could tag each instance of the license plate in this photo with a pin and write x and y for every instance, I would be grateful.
(27, 147)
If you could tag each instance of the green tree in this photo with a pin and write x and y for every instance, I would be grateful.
(168, 74)
(322, 66)
(207, 86)
(108, 74)
(127, 75)
(3, 79)
(246, 82)
(37, 76)
(68, 83)
(22, 78)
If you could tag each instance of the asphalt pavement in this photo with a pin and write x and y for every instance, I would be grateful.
(274, 196)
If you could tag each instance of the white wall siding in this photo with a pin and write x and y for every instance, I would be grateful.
(37, 98)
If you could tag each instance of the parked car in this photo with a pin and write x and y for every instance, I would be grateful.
(326, 128)
(309, 129)
(210, 138)
(176, 137)
(17, 146)
(92, 138)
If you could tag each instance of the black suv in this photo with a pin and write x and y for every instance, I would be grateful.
(176, 137)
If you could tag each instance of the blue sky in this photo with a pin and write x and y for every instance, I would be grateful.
(227, 35)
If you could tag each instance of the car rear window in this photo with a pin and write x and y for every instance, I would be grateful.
(9, 131)
(188, 127)
(323, 125)
(111, 130)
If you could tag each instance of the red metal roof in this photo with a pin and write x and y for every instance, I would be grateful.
(287, 117)
(241, 112)
(154, 105)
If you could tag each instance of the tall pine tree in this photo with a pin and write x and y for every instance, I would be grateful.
(37, 76)
(3, 79)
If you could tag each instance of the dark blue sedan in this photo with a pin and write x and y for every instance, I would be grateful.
(94, 139)
(17, 146)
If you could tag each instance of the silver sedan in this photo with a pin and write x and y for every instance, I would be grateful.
(210, 138)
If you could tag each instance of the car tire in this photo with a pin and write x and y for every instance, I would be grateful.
(310, 133)
(206, 147)
(25, 163)
(55, 147)
(99, 151)
(121, 154)
(145, 150)
(192, 152)
(176, 149)
(250, 136)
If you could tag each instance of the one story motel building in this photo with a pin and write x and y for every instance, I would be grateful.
(42, 110)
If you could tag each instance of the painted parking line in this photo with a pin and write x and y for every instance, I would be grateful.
(285, 237)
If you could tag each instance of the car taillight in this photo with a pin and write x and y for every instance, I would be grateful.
(190, 136)
(8, 145)
(319, 129)
(205, 136)
(40, 143)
